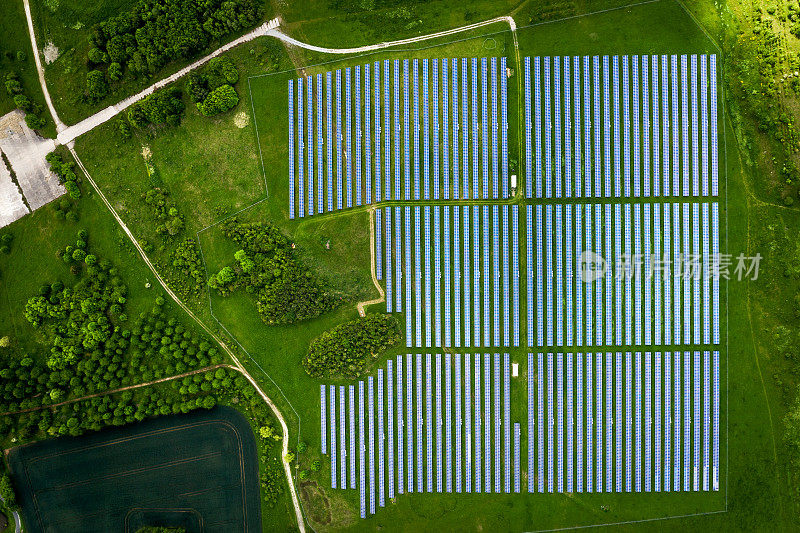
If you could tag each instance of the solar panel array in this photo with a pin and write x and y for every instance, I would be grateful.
(627, 431)
(659, 114)
(465, 272)
(358, 160)
(441, 444)
(656, 288)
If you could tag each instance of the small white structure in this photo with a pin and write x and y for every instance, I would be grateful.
(514, 370)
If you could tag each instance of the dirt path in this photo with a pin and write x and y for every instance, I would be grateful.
(388, 44)
(59, 125)
(360, 305)
(285, 448)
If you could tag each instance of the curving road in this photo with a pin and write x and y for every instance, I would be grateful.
(17, 521)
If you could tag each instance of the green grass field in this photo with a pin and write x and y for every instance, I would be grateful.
(195, 471)
(214, 169)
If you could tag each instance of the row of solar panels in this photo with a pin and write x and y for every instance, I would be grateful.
(458, 283)
(623, 422)
(626, 275)
(621, 126)
(426, 424)
(325, 175)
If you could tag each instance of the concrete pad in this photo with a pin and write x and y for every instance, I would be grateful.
(26, 152)
(12, 207)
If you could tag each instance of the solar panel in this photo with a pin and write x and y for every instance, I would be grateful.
(516, 457)
(389, 281)
(687, 421)
(435, 127)
(445, 130)
(531, 423)
(557, 122)
(332, 397)
(438, 422)
(713, 121)
(419, 423)
(497, 421)
(478, 424)
(448, 473)
(410, 424)
(468, 424)
(351, 452)
(560, 423)
(301, 210)
(342, 441)
(548, 187)
(567, 130)
(362, 485)
(448, 341)
(323, 426)
(429, 422)
(310, 128)
(381, 436)
(401, 425)
(668, 425)
(357, 139)
(515, 274)
(487, 417)
(390, 430)
(495, 177)
(550, 422)
(568, 422)
(457, 274)
(427, 275)
(484, 131)
(291, 147)
(708, 385)
(715, 422)
(387, 151)
(540, 423)
(648, 436)
(458, 420)
(371, 449)
(568, 273)
(437, 274)
(578, 422)
(425, 133)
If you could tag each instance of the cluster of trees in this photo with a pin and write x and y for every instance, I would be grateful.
(286, 290)
(347, 349)
(78, 319)
(143, 40)
(159, 529)
(212, 88)
(170, 220)
(5, 242)
(187, 264)
(66, 174)
(32, 110)
(65, 209)
(162, 107)
(7, 492)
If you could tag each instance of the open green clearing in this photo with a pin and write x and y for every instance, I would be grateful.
(195, 471)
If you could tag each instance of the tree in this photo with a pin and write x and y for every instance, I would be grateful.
(35, 122)
(218, 101)
(97, 56)
(115, 71)
(96, 85)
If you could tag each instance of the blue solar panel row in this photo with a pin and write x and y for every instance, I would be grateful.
(632, 425)
(656, 295)
(689, 121)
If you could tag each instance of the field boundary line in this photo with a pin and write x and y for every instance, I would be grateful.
(629, 522)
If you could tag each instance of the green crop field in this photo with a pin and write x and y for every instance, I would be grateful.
(197, 471)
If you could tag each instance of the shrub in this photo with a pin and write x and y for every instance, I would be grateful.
(115, 71)
(97, 56)
(35, 122)
(218, 101)
(23, 102)
(96, 85)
